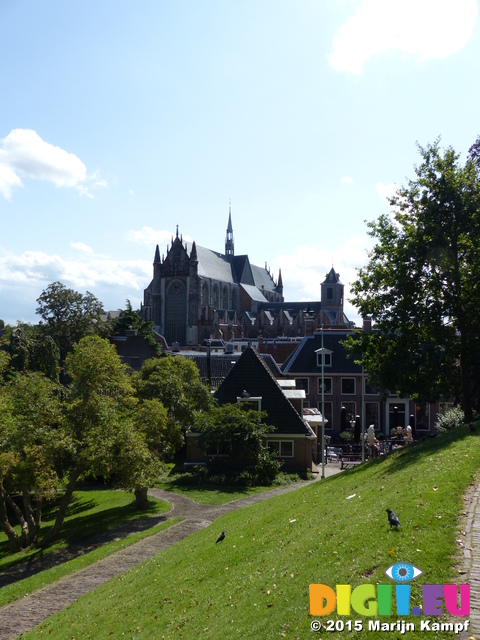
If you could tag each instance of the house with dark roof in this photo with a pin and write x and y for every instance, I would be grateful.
(198, 294)
(346, 391)
(252, 381)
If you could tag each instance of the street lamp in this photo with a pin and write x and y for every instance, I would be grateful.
(322, 352)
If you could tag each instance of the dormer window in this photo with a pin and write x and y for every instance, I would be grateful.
(249, 402)
(327, 357)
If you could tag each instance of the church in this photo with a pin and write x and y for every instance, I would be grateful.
(198, 294)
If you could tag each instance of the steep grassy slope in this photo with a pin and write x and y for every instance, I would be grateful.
(255, 583)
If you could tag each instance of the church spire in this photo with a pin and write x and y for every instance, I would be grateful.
(280, 282)
(229, 237)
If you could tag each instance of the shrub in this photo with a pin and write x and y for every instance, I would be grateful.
(266, 467)
(450, 419)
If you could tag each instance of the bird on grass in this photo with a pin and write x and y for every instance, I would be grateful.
(393, 520)
(221, 537)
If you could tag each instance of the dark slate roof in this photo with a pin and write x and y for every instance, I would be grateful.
(254, 293)
(304, 358)
(252, 375)
(213, 265)
(293, 307)
(133, 349)
(332, 277)
(236, 269)
(220, 364)
(242, 269)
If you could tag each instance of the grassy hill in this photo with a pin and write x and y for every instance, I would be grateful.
(255, 584)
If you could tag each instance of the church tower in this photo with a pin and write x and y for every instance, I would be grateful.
(332, 297)
(229, 237)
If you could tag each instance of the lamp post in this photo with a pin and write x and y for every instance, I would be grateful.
(322, 353)
(363, 414)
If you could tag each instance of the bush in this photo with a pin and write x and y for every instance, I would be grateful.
(450, 419)
(266, 467)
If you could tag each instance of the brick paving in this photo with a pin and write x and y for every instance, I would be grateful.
(471, 561)
(22, 615)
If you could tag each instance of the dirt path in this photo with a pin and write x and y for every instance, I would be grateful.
(24, 614)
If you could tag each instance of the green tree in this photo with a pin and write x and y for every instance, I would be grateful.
(149, 439)
(421, 286)
(175, 381)
(237, 434)
(100, 397)
(67, 316)
(29, 350)
(32, 438)
(130, 318)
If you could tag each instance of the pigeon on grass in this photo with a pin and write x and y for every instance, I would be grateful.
(221, 537)
(393, 520)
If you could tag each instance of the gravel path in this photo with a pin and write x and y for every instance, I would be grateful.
(24, 614)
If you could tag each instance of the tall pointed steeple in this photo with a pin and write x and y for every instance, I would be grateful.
(229, 251)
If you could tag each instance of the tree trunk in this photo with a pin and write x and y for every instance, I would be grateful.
(21, 520)
(141, 499)
(5, 525)
(62, 510)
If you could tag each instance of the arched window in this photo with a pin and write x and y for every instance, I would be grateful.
(215, 299)
(176, 313)
(205, 295)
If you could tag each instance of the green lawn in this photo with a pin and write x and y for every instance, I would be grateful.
(214, 494)
(91, 512)
(255, 583)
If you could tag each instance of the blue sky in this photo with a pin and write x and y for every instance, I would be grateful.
(120, 120)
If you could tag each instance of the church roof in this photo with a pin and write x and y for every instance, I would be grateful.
(255, 294)
(332, 277)
(262, 278)
(236, 269)
(213, 265)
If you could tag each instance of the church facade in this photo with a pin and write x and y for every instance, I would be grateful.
(198, 294)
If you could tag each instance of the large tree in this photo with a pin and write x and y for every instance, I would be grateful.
(99, 398)
(51, 436)
(32, 440)
(175, 381)
(421, 286)
(67, 315)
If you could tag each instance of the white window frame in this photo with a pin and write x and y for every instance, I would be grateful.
(319, 385)
(279, 443)
(351, 393)
(328, 355)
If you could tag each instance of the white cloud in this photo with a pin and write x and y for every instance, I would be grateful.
(152, 237)
(80, 246)
(39, 269)
(421, 28)
(24, 153)
(386, 191)
(347, 180)
(8, 180)
(305, 270)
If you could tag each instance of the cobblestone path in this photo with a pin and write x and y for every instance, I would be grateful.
(24, 614)
(471, 571)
